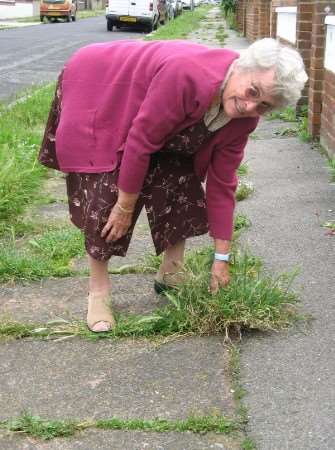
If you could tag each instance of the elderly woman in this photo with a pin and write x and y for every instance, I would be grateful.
(136, 123)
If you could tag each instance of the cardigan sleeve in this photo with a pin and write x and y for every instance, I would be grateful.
(173, 95)
(222, 182)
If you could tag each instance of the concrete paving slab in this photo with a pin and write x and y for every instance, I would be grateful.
(126, 378)
(122, 440)
(268, 129)
(53, 213)
(66, 298)
(290, 377)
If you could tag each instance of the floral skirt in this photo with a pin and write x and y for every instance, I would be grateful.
(172, 194)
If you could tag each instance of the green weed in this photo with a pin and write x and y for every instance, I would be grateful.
(16, 330)
(254, 136)
(40, 428)
(243, 170)
(49, 429)
(287, 114)
(244, 190)
(331, 166)
(248, 444)
(181, 26)
(331, 227)
(221, 35)
(290, 131)
(238, 391)
(249, 301)
(194, 424)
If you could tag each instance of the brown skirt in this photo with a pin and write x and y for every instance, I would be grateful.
(172, 194)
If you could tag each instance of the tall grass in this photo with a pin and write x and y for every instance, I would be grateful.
(21, 129)
(47, 255)
(251, 300)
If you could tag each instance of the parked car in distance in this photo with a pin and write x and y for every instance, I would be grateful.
(163, 10)
(170, 9)
(142, 13)
(187, 4)
(58, 9)
(177, 7)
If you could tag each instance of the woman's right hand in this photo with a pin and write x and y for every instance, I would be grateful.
(118, 223)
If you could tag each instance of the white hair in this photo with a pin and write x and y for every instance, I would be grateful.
(290, 76)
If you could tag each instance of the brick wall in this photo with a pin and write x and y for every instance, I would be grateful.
(241, 16)
(253, 18)
(327, 130)
(305, 10)
(257, 19)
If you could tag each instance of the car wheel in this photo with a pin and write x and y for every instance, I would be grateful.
(149, 28)
(109, 25)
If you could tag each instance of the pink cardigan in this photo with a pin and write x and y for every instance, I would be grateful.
(123, 100)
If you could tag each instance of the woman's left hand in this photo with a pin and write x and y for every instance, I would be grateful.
(117, 225)
(220, 275)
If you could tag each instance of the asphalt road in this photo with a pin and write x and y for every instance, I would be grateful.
(35, 54)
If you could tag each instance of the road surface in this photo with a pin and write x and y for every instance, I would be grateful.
(35, 54)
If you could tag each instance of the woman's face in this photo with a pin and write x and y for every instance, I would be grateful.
(246, 94)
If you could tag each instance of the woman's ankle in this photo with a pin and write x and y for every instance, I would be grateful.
(99, 282)
(99, 288)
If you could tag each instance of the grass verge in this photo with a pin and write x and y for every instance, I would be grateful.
(181, 26)
(86, 14)
(38, 427)
(83, 14)
(21, 130)
(44, 255)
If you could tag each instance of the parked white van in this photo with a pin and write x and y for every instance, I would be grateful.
(132, 12)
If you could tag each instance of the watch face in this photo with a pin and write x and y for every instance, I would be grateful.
(221, 257)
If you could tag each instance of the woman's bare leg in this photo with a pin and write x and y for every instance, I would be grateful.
(173, 259)
(99, 278)
(99, 316)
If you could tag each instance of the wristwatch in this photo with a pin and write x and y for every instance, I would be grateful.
(222, 257)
